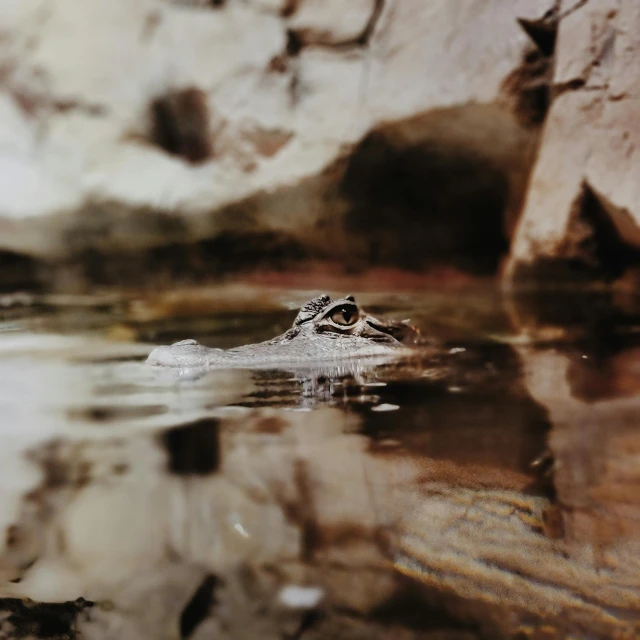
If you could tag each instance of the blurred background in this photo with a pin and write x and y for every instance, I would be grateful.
(183, 141)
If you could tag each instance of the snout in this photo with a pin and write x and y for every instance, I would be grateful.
(402, 332)
(179, 355)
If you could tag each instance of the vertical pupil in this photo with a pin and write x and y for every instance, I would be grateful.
(346, 314)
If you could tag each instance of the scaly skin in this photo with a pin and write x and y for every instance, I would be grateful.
(322, 331)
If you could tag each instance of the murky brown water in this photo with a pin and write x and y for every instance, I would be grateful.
(486, 487)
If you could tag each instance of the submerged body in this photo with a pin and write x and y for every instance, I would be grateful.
(322, 331)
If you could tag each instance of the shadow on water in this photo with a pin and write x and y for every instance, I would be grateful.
(342, 501)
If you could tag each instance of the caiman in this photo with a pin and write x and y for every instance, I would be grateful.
(323, 331)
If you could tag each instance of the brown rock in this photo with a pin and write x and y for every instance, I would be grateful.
(581, 215)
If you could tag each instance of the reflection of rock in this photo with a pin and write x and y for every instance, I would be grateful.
(596, 377)
(292, 499)
(107, 511)
(579, 362)
(45, 621)
(217, 520)
(105, 481)
(200, 132)
(300, 492)
(594, 446)
(581, 218)
(516, 556)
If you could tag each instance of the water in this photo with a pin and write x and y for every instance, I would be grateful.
(485, 487)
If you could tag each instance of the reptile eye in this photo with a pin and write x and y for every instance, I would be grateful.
(345, 316)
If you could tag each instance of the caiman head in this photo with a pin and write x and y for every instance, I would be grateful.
(322, 317)
(323, 330)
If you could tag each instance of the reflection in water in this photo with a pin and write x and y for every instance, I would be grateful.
(370, 500)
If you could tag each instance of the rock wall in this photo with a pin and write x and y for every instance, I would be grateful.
(582, 215)
(201, 127)
(192, 139)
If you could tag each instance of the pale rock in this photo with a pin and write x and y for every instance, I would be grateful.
(590, 143)
(81, 78)
(333, 20)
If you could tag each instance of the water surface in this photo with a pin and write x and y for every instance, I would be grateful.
(484, 487)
